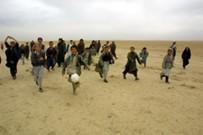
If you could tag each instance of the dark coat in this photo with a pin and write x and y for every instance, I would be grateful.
(61, 50)
(13, 54)
(131, 65)
(186, 55)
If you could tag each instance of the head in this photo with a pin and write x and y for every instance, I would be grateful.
(27, 43)
(187, 48)
(174, 42)
(51, 44)
(93, 42)
(113, 42)
(60, 40)
(40, 40)
(106, 49)
(107, 42)
(71, 41)
(144, 49)
(12, 43)
(170, 51)
(81, 41)
(132, 49)
(74, 50)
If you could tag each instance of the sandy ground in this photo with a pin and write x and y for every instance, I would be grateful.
(121, 107)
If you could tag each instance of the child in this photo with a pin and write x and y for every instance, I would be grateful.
(167, 65)
(13, 54)
(143, 55)
(51, 56)
(105, 60)
(38, 61)
(131, 66)
(73, 64)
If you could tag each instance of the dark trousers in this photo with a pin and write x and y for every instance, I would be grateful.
(50, 63)
(13, 69)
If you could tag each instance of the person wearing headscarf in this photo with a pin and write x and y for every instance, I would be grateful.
(186, 55)
(131, 66)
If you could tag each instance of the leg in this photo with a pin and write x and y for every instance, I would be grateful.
(35, 70)
(167, 79)
(105, 71)
(125, 72)
(135, 74)
(40, 77)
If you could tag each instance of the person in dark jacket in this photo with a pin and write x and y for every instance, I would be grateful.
(22, 49)
(51, 56)
(38, 62)
(131, 66)
(186, 55)
(61, 51)
(92, 48)
(27, 51)
(98, 46)
(105, 60)
(81, 46)
(13, 55)
(113, 49)
(173, 47)
(73, 65)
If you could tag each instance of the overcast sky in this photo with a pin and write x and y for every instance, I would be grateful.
(102, 19)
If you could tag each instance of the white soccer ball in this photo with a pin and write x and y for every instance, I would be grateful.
(75, 78)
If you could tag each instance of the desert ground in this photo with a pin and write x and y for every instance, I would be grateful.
(121, 107)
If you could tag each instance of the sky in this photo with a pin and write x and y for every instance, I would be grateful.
(102, 19)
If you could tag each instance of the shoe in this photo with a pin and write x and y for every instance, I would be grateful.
(14, 77)
(105, 81)
(136, 79)
(40, 90)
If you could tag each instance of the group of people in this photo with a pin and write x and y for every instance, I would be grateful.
(72, 57)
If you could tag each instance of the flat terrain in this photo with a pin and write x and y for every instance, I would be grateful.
(121, 107)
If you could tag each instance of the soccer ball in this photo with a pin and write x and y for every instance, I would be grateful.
(75, 78)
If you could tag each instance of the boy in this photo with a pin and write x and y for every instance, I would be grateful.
(51, 56)
(105, 60)
(73, 64)
(143, 55)
(167, 65)
(38, 61)
(13, 54)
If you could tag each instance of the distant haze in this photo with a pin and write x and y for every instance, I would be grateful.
(102, 19)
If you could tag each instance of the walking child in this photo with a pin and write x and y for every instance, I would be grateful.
(143, 55)
(167, 65)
